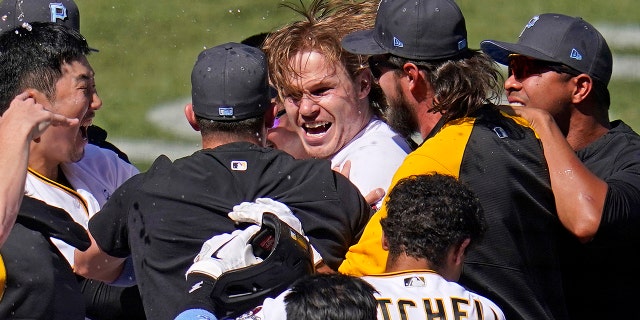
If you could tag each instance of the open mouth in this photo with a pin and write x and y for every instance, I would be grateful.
(316, 128)
(84, 132)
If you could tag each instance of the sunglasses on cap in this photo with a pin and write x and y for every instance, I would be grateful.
(522, 67)
(378, 63)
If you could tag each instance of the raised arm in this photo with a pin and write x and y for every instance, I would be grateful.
(579, 194)
(22, 122)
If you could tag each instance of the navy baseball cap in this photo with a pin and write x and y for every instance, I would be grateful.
(561, 39)
(229, 82)
(413, 29)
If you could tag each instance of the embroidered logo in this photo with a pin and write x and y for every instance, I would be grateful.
(239, 165)
(500, 132)
(225, 111)
(397, 43)
(415, 282)
(58, 11)
(529, 24)
(575, 54)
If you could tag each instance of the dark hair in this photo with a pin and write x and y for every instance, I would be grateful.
(252, 127)
(331, 297)
(427, 214)
(31, 56)
(461, 84)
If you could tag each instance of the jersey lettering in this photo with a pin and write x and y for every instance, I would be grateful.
(434, 309)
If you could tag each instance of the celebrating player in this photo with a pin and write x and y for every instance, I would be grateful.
(162, 217)
(438, 86)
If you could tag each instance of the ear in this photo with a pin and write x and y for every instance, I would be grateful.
(364, 81)
(385, 243)
(417, 81)
(191, 116)
(583, 86)
(38, 96)
(459, 253)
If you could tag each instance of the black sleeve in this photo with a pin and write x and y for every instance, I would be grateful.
(109, 226)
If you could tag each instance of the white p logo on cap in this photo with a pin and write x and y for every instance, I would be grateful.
(58, 11)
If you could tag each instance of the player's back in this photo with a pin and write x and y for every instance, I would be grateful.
(424, 294)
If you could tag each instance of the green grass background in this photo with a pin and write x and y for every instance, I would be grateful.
(148, 47)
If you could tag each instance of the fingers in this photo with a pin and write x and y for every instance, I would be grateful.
(374, 196)
(346, 169)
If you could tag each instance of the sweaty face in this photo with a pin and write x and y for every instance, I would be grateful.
(75, 97)
(539, 87)
(327, 107)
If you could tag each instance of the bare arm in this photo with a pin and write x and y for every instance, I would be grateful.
(96, 264)
(21, 123)
(579, 194)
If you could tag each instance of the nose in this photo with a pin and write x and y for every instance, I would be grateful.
(96, 102)
(307, 106)
(512, 84)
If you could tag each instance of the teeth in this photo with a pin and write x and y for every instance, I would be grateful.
(315, 125)
(517, 104)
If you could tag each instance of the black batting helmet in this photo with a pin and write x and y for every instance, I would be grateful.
(286, 256)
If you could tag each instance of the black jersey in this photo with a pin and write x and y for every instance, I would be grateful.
(40, 282)
(163, 216)
(516, 264)
(600, 277)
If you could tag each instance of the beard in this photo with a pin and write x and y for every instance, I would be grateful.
(400, 117)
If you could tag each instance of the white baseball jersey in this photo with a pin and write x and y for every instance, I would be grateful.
(375, 153)
(424, 294)
(94, 179)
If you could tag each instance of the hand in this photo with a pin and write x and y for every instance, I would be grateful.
(23, 110)
(225, 252)
(537, 118)
(252, 212)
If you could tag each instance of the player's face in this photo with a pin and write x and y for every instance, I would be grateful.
(75, 97)
(328, 107)
(532, 84)
(400, 114)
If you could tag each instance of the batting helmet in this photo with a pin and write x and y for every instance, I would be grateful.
(286, 257)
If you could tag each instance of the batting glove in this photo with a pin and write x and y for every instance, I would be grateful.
(225, 252)
(251, 212)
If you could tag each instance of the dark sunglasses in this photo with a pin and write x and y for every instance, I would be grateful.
(522, 67)
(378, 63)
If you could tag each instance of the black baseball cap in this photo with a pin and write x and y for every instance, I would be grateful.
(14, 13)
(413, 29)
(230, 82)
(561, 39)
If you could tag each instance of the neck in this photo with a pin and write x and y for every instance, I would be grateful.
(403, 262)
(584, 129)
(218, 140)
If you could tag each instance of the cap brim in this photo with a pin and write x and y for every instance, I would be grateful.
(500, 51)
(362, 42)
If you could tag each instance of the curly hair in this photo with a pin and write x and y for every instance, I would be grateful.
(461, 84)
(428, 214)
(323, 25)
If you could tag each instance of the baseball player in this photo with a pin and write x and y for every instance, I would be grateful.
(162, 217)
(431, 221)
(48, 61)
